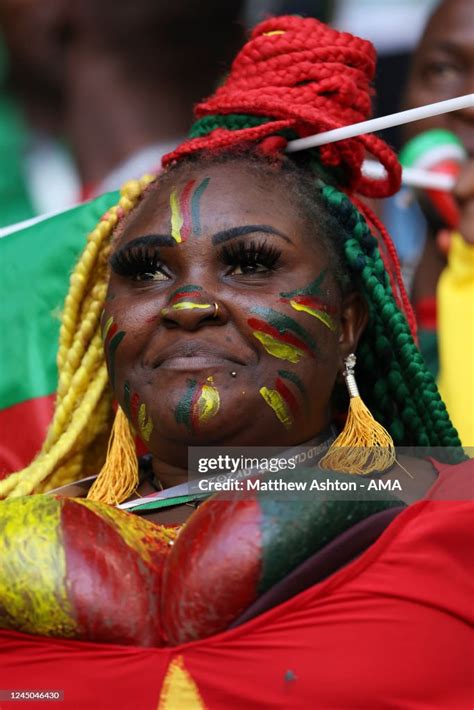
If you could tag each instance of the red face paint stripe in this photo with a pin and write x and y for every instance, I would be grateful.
(287, 395)
(195, 408)
(112, 330)
(257, 324)
(134, 403)
(312, 302)
(186, 210)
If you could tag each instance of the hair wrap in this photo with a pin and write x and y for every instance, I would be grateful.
(301, 77)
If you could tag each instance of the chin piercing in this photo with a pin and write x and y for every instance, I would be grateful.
(216, 309)
(233, 374)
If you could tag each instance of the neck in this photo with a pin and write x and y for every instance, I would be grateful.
(109, 115)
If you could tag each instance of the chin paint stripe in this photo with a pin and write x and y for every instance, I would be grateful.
(184, 408)
(200, 403)
(275, 400)
(208, 403)
(195, 206)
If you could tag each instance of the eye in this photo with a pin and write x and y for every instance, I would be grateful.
(139, 264)
(246, 258)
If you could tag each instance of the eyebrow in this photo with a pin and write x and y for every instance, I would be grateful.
(233, 232)
(148, 240)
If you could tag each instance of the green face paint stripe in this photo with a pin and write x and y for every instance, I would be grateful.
(284, 323)
(293, 377)
(183, 409)
(312, 289)
(34, 597)
(195, 211)
(126, 399)
(112, 349)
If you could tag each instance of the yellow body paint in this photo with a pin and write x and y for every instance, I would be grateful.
(176, 217)
(277, 403)
(208, 403)
(274, 347)
(320, 315)
(144, 422)
(107, 327)
(179, 690)
(33, 593)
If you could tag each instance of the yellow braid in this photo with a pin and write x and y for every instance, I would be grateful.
(76, 443)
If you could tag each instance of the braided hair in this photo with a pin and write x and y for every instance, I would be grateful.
(293, 78)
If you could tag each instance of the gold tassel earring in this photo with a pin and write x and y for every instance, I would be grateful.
(363, 446)
(118, 478)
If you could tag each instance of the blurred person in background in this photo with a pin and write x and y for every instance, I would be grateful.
(107, 80)
(438, 269)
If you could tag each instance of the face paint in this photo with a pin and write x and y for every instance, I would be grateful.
(178, 304)
(275, 400)
(280, 335)
(199, 404)
(137, 412)
(309, 301)
(185, 211)
(295, 380)
(112, 338)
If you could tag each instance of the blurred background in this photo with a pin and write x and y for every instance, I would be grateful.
(93, 92)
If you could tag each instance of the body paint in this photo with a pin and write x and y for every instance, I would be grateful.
(145, 425)
(294, 379)
(308, 300)
(185, 210)
(112, 338)
(282, 400)
(199, 404)
(137, 412)
(281, 336)
(184, 292)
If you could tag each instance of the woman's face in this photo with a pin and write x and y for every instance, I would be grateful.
(223, 322)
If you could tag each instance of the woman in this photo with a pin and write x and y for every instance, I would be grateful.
(241, 284)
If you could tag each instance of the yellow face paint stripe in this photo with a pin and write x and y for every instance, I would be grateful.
(176, 217)
(277, 403)
(144, 422)
(208, 403)
(274, 347)
(179, 690)
(189, 305)
(107, 327)
(323, 317)
(33, 592)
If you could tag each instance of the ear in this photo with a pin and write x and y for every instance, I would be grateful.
(354, 317)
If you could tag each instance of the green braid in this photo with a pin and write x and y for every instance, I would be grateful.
(392, 376)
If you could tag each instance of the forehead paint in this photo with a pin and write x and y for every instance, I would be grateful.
(112, 337)
(275, 400)
(308, 300)
(185, 210)
(280, 335)
(199, 404)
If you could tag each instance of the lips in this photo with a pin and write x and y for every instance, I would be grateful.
(194, 355)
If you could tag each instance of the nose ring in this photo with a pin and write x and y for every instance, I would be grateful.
(216, 309)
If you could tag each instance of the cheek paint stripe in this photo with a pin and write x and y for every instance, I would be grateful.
(186, 210)
(275, 401)
(284, 323)
(107, 326)
(316, 313)
(293, 377)
(279, 349)
(135, 401)
(312, 289)
(145, 424)
(261, 326)
(311, 301)
(114, 343)
(111, 331)
(176, 217)
(195, 206)
(287, 395)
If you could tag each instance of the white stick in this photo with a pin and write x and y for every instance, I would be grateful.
(378, 124)
(412, 177)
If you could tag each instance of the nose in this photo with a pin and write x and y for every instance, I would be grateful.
(191, 314)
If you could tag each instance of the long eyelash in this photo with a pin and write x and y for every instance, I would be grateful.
(135, 261)
(245, 253)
